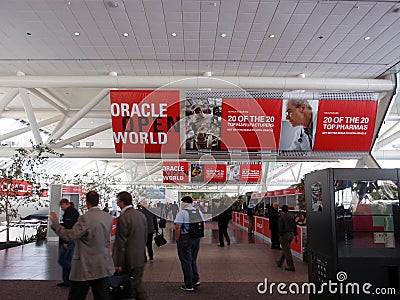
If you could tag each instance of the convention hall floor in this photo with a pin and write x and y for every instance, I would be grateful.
(230, 272)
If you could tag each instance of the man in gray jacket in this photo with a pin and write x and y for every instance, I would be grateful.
(92, 262)
(130, 242)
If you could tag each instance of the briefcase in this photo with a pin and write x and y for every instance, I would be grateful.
(160, 240)
(121, 286)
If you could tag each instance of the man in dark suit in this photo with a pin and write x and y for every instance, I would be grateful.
(223, 220)
(152, 227)
(287, 230)
(130, 242)
(273, 216)
(92, 262)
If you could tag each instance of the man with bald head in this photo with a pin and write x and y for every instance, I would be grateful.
(300, 114)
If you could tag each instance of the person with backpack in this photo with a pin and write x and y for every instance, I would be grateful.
(189, 228)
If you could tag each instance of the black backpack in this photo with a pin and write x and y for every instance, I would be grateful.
(196, 225)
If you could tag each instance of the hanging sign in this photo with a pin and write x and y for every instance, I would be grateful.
(250, 124)
(175, 172)
(15, 187)
(145, 121)
(345, 125)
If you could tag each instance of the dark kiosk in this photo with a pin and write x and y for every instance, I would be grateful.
(353, 231)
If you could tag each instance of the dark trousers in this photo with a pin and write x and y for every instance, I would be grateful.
(188, 250)
(137, 281)
(223, 232)
(250, 227)
(285, 240)
(65, 259)
(149, 245)
(274, 227)
(79, 289)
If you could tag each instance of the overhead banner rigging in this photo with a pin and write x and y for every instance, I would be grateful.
(281, 123)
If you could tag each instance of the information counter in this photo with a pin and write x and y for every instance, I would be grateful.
(261, 229)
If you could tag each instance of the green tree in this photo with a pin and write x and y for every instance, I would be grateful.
(20, 181)
(104, 184)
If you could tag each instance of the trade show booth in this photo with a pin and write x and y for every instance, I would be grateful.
(353, 232)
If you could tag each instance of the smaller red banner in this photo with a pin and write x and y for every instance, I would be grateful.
(259, 224)
(215, 173)
(15, 187)
(289, 191)
(175, 172)
(250, 173)
(71, 189)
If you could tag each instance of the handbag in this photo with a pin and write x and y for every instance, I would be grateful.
(121, 286)
(159, 239)
(162, 223)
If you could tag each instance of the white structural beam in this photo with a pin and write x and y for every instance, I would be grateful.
(281, 83)
(11, 94)
(92, 103)
(47, 113)
(386, 154)
(55, 97)
(28, 128)
(31, 115)
(48, 100)
(59, 125)
(155, 168)
(390, 139)
(83, 135)
(367, 162)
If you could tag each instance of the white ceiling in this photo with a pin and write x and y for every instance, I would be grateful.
(320, 39)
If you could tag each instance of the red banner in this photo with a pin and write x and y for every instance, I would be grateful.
(259, 224)
(145, 121)
(15, 187)
(215, 173)
(71, 189)
(250, 124)
(175, 172)
(250, 173)
(345, 125)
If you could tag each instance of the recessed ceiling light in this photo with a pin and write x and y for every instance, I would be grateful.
(125, 34)
(367, 38)
(223, 35)
(76, 33)
(271, 36)
(173, 34)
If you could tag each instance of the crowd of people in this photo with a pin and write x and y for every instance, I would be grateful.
(84, 251)
(84, 245)
(282, 225)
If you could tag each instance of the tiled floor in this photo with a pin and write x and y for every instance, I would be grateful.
(247, 259)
